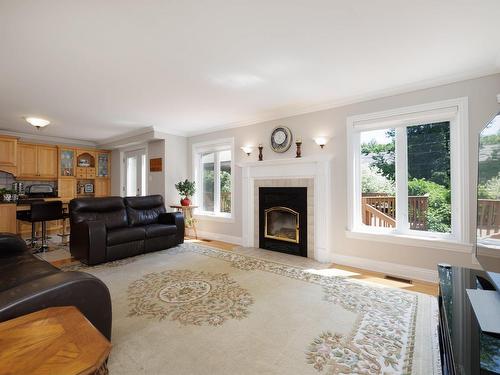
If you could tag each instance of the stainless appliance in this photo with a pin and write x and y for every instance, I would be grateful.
(40, 191)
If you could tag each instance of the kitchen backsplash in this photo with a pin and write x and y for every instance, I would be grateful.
(6, 181)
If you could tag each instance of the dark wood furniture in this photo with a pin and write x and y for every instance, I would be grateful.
(465, 349)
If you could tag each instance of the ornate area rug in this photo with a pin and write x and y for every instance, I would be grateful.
(197, 310)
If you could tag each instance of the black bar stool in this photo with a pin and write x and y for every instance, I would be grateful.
(43, 212)
(26, 216)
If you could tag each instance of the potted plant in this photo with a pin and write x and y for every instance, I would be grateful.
(186, 189)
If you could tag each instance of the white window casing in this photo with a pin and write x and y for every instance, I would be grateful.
(199, 149)
(454, 111)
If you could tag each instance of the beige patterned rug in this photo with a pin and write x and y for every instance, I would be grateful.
(197, 310)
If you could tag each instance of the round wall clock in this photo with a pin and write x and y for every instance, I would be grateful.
(281, 139)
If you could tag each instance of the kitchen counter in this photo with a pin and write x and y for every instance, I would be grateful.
(8, 216)
(25, 207)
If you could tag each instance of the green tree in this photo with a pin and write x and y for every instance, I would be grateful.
(439, 203)
(383, 156)
(428, 153)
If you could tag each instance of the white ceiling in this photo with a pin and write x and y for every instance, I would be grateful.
(98, 68)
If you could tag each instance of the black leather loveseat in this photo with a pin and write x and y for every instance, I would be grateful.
(29, 284)
(106, 229)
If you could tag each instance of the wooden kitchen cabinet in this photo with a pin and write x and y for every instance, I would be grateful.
(27, 165)
(102, 187)
(8, 154)
(47, 161)
(66, 188)
(8, 217)
(36, 161)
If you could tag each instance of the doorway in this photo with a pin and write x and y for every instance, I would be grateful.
(135, 173)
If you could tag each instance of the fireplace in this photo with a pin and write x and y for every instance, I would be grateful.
(283, 219)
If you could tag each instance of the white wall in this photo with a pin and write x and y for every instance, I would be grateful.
(156, 180)
(176, 166)
(482, 107)
(173, 152)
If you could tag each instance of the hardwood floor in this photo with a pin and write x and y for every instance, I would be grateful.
(355, 273)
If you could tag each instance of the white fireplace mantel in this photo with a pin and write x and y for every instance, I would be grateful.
(316, 167)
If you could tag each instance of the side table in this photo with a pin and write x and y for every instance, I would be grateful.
(55, 341)
(189, 220)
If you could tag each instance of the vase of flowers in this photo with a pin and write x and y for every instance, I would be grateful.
(186, 190)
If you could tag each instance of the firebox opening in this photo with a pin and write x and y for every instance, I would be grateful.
(283, 219)
(282, 223)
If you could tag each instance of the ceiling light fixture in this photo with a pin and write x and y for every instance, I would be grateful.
(37, 122)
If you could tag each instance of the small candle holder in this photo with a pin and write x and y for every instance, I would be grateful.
(260, 153)
(298, 143)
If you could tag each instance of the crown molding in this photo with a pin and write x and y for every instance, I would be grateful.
(134, 137)
(48, 138)
(363, 97)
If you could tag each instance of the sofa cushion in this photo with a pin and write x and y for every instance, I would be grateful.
(111, 210)
(22, 268)
(122, 235)
(160, 230)
(144, 210)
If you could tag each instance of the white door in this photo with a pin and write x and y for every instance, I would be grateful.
(135, 173)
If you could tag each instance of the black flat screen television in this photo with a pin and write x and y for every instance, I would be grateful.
(488, 199)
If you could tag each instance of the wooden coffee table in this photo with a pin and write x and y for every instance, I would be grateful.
(57, 340)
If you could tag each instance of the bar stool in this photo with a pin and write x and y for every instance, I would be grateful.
(43, 212)
(26, 215)
(64, 235)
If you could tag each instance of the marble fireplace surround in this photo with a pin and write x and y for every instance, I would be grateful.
(311, 172)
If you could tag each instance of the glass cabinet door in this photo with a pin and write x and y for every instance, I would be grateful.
(67, 167)
(103, 164)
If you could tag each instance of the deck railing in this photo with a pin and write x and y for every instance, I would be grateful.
(380, 211)
(488, 217)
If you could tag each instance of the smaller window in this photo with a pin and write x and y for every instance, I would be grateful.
(213, 170)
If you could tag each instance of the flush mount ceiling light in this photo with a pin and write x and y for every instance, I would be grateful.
(37, 122)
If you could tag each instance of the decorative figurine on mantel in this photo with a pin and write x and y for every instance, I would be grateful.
(298, 143)
(260, 152)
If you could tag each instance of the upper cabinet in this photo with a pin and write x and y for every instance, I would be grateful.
(36, 161)
(67, 161)
(47, 161)
(8, 154)
(85, 164)
(26, 154)
(103, 164)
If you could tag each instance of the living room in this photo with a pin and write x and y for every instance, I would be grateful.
(265, 200)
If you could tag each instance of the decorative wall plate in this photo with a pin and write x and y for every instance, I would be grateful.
(281, 139)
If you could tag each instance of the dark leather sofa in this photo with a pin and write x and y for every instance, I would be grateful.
(29, 284)
(111, 228)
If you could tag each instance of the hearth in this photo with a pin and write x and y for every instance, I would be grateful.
(283, 219)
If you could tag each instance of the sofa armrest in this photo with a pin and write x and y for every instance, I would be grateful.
(87, 241)
(11, 244)
(174, 218)
(84, 291)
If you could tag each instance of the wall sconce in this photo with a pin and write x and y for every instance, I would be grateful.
(321, 141)
(247, 150)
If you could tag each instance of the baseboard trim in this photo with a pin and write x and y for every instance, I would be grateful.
(388, 268)
(220, 237)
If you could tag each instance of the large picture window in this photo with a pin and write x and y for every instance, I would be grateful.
(213, 169)
(408, 170)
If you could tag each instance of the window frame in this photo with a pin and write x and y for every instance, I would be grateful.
(455, 111)
(202, 148)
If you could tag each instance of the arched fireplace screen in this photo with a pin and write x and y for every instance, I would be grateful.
(281, 223)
